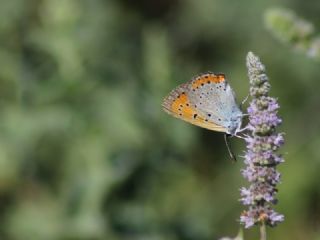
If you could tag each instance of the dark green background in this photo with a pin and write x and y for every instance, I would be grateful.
(86, 151)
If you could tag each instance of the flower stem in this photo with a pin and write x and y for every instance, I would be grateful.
(263, 231)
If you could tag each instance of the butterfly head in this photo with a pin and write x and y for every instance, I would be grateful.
(235, 124)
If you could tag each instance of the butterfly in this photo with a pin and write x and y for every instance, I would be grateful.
(207, 101)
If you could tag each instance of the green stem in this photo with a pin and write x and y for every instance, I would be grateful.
(263, 231)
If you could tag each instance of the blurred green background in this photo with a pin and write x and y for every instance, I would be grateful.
(86, 151)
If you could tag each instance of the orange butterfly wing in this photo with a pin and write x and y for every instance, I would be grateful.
(178, 105)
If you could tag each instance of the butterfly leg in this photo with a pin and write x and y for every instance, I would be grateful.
(244, 101)
(243, 129)
(240, 136)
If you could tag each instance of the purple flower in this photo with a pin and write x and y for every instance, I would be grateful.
(261, 157)
(261, 214)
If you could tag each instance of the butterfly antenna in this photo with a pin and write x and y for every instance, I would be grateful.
(231, 154)
(243, 102)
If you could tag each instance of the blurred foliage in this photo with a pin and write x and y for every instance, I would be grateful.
(85, 149)
(291, 29)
